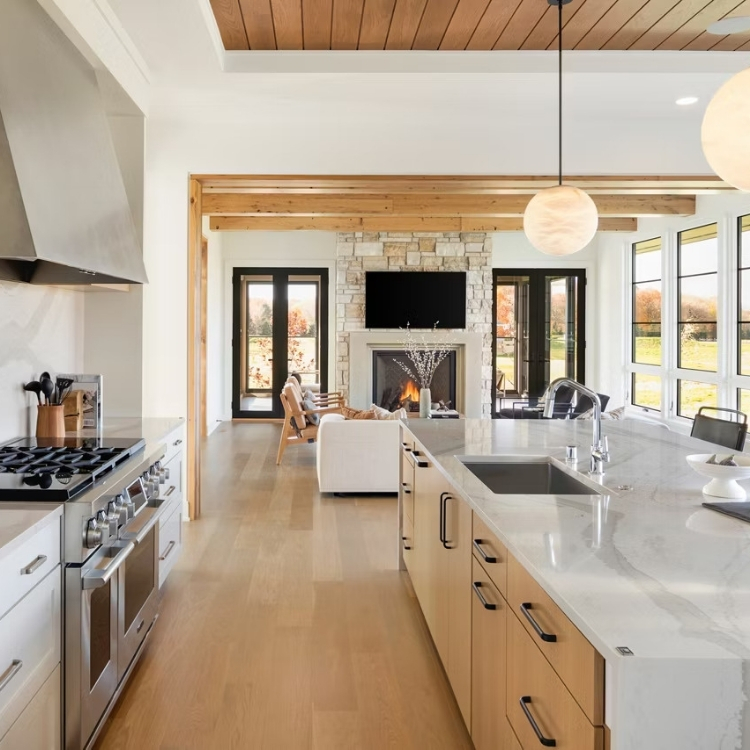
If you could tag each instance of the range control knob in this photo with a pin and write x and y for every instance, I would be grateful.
(161, 472)
(92, 536)
(128, 504)
(103, 520)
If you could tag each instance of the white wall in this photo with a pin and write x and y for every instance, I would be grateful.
(268, 250)
(216, 342)
(41, 328)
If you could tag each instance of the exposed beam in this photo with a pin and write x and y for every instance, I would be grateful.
(390, 224)
(435, 205)
(485, 184)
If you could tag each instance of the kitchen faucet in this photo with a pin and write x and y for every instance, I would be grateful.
(599, 446)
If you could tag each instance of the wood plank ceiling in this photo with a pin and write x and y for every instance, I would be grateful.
(476, 24)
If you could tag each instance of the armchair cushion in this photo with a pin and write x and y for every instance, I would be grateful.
(309, 405)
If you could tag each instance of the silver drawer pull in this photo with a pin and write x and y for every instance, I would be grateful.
(34, 566)
(10, 673)
(170, 547)
(169, 491)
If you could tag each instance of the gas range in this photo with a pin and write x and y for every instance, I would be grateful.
(58, 469)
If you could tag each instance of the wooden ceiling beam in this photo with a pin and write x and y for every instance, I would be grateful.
(435, 205)
(389, 224)
(489, 184)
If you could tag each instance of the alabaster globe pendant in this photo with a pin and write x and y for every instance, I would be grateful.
(563, 219)
(725, 133)
(560, 220)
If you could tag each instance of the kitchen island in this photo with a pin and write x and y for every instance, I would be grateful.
(658, 585)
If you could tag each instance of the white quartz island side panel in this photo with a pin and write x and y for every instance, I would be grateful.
(646, 568)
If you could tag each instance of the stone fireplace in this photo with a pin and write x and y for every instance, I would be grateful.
(393, 388)
(359, 252)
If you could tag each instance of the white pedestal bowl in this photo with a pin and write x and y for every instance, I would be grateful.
(723, 478)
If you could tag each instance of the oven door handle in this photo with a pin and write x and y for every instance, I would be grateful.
(98, 578)
(138, 536)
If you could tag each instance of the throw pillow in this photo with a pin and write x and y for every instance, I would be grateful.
(312, 418)
(350, 413)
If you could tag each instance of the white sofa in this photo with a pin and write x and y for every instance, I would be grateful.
(358, 455)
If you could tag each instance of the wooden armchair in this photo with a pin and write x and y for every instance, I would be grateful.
(300, 423)
(322, 399)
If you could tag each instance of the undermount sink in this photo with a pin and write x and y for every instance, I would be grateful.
(514, 476)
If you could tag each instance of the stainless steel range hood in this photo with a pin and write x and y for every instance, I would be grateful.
(64, 213)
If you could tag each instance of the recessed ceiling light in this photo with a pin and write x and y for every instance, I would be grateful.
(686, 100)
(733, 25)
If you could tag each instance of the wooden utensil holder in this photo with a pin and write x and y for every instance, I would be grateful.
(50, 421)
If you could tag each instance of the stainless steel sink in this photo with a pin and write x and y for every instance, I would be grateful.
(513, 476)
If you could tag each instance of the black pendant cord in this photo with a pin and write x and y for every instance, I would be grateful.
(559, 90)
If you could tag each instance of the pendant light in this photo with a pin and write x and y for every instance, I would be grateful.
(560, 220)
(724, 133)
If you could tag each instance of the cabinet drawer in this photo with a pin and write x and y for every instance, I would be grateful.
(172, 487)
(29, 647)
(576, 661)
(534, 686)
(170, 543)
(408, 533)
(174, 443)
(38, 727)
(489, 727)
(491, 552)
(23, 568)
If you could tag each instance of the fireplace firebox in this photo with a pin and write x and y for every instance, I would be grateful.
(392, 388)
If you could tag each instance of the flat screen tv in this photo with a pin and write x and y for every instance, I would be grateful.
(420, 299)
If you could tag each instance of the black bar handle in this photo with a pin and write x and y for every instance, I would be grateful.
(546, 741)
(405, 485)
(478, 547)
(420, 463)
(406, 447)
(404, 538)
(487, 605)
(547, 637)
(444, 497)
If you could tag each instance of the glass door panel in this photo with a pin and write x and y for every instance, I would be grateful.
(539, 326)
(258, 343)
(265, 353)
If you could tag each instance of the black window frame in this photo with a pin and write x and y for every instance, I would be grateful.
(632, 391)
(681, 322)
(634, 323)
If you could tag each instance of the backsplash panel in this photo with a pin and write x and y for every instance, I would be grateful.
(41, 328)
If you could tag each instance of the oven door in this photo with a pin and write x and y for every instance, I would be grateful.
(139, 587)
(91, 640)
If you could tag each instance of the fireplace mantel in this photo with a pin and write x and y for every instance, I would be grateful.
(468, 372)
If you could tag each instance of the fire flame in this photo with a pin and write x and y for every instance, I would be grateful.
(410, 391)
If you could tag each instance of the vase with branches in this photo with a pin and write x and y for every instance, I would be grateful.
(425, 359)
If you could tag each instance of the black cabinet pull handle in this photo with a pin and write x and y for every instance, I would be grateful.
(487, 558)
(547, 637)
(546, 741)
(444, 497)
(405, 485)
(487, 605)
(404, 538)
(406, 448)
(420, 463)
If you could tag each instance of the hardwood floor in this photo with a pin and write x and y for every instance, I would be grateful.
(286, 624)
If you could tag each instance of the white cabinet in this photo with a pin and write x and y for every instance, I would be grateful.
(170, 525)
(30, 639)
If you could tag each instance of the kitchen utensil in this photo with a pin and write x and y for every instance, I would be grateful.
(35, 387)
(724, 478)
(63, 387)
(48, 389)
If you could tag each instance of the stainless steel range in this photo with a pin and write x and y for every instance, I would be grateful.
(111, 489)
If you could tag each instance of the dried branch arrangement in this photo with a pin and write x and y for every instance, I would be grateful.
(424, 357)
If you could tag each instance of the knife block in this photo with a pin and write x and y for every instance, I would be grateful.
(50, 421)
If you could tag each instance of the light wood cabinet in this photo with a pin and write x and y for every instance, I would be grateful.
(513, 743)
(489, 727)
(578, 663)
(492, 553)
(540, 708)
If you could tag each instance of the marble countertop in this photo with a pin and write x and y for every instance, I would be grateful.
(647, 568)
(20, 522)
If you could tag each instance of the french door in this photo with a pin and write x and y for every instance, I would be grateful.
(540, 324)
(280, 326)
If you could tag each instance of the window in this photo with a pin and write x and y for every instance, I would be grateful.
(647, 391)
(647, 302)
(743, 400)
(743, 296)
(697, 281)
(691, 395)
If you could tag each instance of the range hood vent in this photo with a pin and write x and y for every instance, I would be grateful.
(64, 213)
